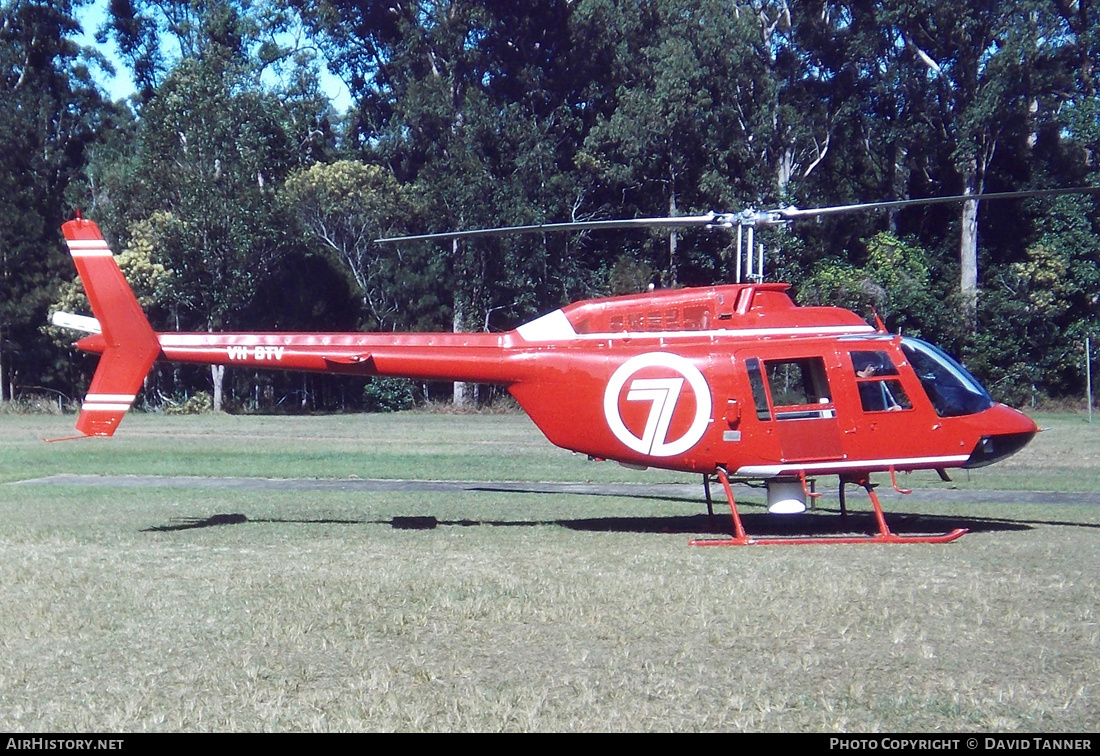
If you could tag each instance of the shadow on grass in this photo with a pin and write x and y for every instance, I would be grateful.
(822, 522)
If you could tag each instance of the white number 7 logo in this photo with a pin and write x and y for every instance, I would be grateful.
(664, 393)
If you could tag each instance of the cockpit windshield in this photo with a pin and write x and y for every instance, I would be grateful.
(952, 390)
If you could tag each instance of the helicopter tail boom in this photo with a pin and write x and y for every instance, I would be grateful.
(128, 345)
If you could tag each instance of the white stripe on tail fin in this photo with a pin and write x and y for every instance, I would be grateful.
(127, 342)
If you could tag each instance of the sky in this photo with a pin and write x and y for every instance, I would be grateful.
(91, 17)
(121, 85)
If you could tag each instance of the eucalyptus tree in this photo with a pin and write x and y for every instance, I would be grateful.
(228, 104)
(211, 145)
(343, 207)
(686, 107)
(719, 105)
(470, 103)
(213, 153)
(152, 36)
(50, 110)
(975, 76)
(1036, 311)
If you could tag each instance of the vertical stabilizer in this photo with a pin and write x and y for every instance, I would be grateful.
(129, 345)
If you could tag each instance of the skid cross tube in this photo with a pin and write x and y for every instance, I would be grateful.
(884, 535)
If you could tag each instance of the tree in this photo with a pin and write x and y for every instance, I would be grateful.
(716, 107)
(467, 102)
(214, 151)
(1037, 311)
(682, 133)
(898, 282)
(213, 144)
(344, 207)
(50, 111)
(679, 135)
(973, 75)
(154, 35)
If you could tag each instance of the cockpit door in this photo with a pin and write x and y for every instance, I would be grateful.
(800, 404)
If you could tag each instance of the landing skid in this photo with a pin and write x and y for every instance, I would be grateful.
(740, 538)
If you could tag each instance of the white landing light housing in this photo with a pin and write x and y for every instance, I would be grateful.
(786, 497)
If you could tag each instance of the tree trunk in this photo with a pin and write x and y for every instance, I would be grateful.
(217, 373)
(672, 239)
(892, 188)
(968, 254)
(462, 393)
(968, 243)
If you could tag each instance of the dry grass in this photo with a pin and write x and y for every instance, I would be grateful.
(519, 612)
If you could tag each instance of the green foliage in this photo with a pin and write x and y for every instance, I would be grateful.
(1033, 322)
(199, 403)
(214, 154)
(343, 207)
(897, 282)
(628, 276)
(389, 395)
(49, 113)
(677, 140)
(471, 104)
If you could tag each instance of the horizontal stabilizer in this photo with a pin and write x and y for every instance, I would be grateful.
(76, 322)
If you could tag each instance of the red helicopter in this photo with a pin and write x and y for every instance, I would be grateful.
(731, 381)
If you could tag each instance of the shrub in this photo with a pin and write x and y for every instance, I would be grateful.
(389, 395)
(200, 403)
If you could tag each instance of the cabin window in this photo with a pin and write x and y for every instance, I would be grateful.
(883, 396)
(872, 364)
(799, 388)
(878, 391)
(759, 395)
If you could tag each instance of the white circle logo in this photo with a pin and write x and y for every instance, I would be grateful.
(663, 395)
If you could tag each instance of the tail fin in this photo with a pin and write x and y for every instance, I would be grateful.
(127, 342)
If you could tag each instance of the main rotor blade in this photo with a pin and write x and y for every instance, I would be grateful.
(748, 217)
(794, 213)
(687, 220)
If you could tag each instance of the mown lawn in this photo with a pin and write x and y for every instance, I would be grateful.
(308, 610)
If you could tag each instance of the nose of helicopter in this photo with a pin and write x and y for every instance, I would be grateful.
(1005, 432)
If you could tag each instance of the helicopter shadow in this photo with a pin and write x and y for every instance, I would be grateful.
(764, 524)
(823, 522)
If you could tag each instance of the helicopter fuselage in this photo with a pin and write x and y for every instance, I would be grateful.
(726, 381)
(734, 377)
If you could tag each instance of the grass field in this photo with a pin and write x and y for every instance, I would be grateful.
(311, 611)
